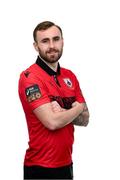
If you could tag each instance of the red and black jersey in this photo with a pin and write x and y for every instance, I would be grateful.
(38, 85)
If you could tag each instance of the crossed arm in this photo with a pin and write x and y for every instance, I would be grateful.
(81, 120)
(53, 117)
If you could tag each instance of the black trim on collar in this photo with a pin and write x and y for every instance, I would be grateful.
(46, 68)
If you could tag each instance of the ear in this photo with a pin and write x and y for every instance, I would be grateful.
(63, 41)
(36, 46)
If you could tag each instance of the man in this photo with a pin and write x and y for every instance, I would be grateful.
(52, 102)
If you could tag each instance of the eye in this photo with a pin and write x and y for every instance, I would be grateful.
(57, 38)
(45, 40)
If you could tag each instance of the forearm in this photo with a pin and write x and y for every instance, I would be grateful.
(63, 118)
(82, 119)
(57, 119)
(78, 120)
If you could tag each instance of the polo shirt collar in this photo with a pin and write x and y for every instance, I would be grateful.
(46, 68)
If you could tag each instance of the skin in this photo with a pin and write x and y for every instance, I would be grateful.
(49, 45)
(81, 120)
(56, 120)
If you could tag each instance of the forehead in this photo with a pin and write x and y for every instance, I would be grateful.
(48, 33)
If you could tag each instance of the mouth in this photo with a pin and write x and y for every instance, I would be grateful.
(50, 52)
(53, 51)
(53, 54)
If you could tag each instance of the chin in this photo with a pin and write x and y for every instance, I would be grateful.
(52, 60)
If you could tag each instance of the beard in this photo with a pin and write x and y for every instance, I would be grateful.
(52, 55)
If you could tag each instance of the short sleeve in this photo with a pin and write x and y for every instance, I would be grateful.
(33, 93)
(78, 93)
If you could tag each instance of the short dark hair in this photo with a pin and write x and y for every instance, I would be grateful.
(43, 26)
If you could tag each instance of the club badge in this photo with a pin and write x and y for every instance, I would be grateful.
(68, 82)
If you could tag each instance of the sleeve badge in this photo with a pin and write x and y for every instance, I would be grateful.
(32, 93)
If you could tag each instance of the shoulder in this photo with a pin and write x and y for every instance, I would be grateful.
(28, 74)
(27, 78)
(68, 72)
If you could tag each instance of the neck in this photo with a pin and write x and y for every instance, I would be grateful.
(53, 66)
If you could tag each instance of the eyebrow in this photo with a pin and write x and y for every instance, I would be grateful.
(56, 37)
(46, 39)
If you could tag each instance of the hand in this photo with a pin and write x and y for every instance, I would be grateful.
(85, 108)
(56, 107)
(83, 118)
(80, 105)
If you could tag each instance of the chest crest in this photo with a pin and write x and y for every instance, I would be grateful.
(68, 82)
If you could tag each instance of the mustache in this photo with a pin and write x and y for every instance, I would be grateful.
(52, 50)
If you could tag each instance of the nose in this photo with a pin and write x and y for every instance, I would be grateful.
(51, 44)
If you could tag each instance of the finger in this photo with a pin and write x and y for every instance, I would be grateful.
(56, 110)
(55, 102)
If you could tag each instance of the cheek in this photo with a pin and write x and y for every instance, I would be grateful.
(43, 48)
(59, 46)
